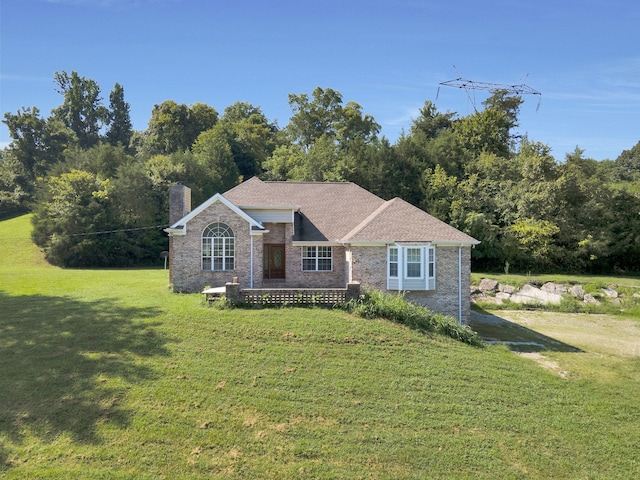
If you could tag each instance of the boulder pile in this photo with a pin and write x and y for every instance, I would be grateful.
(550, 293)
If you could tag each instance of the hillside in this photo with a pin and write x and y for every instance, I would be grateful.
(106, 374)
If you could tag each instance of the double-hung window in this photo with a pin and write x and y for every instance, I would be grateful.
(393, 262)
(413, 262)
(218, 247)
(317, 259)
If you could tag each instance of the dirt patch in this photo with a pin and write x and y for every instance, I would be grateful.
(544, 362)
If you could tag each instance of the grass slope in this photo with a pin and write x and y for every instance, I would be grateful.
(105, 374)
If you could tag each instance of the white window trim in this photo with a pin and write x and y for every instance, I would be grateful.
(316, 258)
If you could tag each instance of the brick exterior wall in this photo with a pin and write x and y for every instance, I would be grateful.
(295, 277)
(369, 267)
(188, 275)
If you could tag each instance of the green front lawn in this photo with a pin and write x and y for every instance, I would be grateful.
(106, 374)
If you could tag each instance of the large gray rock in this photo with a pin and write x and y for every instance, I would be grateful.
(501, 296)
(577, 291)
(588, 298)
(610, 292)
(532, 295)
(552, 287)
(488, 285)
(510, 289)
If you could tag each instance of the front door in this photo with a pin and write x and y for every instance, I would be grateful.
(274, 261)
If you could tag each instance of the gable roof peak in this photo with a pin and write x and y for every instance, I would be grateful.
(181, 224)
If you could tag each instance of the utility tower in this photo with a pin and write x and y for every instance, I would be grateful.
(470, 85)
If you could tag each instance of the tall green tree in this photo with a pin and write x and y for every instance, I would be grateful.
(627, 165)
(323, 115)
(67, 222)
(501, 101)
(37, 144)
(353, 125)
(212, 151)
(175, 127)
(120, 127)
(486, 131)
(251, 136)
(314, 118)
(102, 160)
(81, 110)
(430, 122)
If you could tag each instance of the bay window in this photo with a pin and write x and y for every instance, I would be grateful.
(411, 267)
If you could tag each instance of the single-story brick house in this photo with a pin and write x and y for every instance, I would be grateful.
(317, 235)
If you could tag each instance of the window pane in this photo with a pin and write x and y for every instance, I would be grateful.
(324, 252)
(308, 264)
(324, 264)
(308, 252)
(217, 247)
(229, 247)
(217, 263)
(229, 263)
(206, 247)
(413, 270)
(393, 269)
(206, 263)
(432, 263)
(413, 255)
(414, 263)
(393, 254)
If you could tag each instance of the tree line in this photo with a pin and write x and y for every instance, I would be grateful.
(99, 190)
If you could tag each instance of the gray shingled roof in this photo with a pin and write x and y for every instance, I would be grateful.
(345, 212)
(399, 221)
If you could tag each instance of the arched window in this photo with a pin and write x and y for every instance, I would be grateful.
(218, 247)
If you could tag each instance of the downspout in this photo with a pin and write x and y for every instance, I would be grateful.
(250, 258)
(460, 284)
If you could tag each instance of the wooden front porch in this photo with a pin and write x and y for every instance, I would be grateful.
(284, 296)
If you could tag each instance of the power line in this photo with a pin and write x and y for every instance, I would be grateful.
(87, 234)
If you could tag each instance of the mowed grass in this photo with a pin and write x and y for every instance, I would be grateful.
(106, 374)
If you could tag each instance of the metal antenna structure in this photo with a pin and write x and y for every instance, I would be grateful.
(469, 85)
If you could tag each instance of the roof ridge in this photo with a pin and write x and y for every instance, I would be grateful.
(369, 219)
(308, 182)
(253, 179)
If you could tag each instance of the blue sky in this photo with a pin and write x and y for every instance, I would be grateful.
(387, 55)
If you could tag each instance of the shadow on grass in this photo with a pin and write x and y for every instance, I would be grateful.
(65, 365)
(495, 329)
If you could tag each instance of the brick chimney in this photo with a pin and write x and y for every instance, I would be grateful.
(179, 206)
(179, 202)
